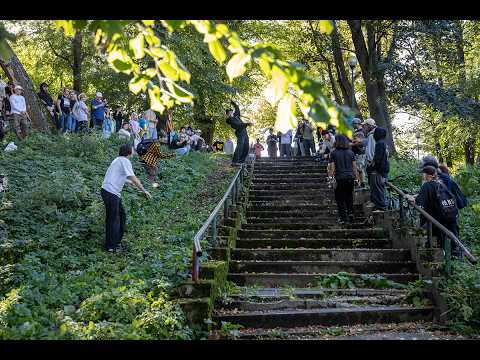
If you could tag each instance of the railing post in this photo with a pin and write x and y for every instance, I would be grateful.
(429, 234)
(225, 207)
(213, 229)
(234, 193)
(195, 266)
(448, 255)
(402, 212)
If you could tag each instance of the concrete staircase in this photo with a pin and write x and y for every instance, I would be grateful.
(294, 266)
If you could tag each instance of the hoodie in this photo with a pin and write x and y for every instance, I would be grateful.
(380, 159)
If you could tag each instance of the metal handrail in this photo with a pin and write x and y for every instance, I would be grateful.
(233, 193)
(471, 258)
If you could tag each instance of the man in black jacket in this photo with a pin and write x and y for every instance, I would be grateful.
(233, 119)
(379, 169)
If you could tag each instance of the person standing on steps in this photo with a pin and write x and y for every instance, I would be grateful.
(258, 149)
(118, 173)
(369, 127)
(286, 144)
(233, 119)
(378, 170)
(343, 167)
(272, 141)
(428, 199)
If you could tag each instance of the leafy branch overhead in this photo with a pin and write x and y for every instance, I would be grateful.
(165, 77)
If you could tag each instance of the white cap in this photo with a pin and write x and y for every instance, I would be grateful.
(370, 122)
(18, 87)
(98, 94)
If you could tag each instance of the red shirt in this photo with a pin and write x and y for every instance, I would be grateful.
(258, 149)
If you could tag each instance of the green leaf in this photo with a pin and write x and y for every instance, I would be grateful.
(173, 25)
(236, 65)
(179, 93)
(277, 87)
(151, 38)
(202, 26)
(148, 22)
(286, 114)
(67, 26)
(138, 83)
(216, 49)
(222, 29)
(326, 26)
(120, 61)
(137, 45)
(154, 95)
(168, 70)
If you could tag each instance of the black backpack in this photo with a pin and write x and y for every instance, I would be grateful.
(446, 202)
(143, 146)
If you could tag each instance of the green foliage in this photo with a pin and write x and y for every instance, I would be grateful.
(56, 281)
(166, 85)
(344, 280)
(416, 293)
(411, 179)
(229, 330)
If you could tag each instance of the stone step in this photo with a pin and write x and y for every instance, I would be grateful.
(305, 221)
(293, 213)
(313, 234)
(301, 169)
(332, 316)
(288, 174)
(302, 280)
(293, 159)
(325, 202)
(312, 243)
(290, 194)
(366, 267)
(287, 179)
(321, 254)
(312, 187)
(298, 206)
(283, 293)
(293, 303)
(301, 225)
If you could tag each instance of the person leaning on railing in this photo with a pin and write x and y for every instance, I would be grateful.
(427, 199)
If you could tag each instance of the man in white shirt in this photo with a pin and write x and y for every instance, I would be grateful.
(369, 126)
(118, 173)
(286, 144)
(19, 112)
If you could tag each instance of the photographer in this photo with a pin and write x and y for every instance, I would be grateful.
(98, 110)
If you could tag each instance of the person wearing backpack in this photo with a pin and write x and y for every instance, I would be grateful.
(444, 176)
(435, 198)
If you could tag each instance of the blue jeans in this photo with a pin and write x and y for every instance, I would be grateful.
(98, 122)
(73, 124)
(153, 132)
(66, 121)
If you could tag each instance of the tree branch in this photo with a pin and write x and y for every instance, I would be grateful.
(57, 54)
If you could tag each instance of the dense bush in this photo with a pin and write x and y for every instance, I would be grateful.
(56, 282)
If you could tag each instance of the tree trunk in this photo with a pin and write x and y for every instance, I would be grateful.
(16, 73)
(374, 82)
(77, 55)
(333, 83)
(344, 78)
